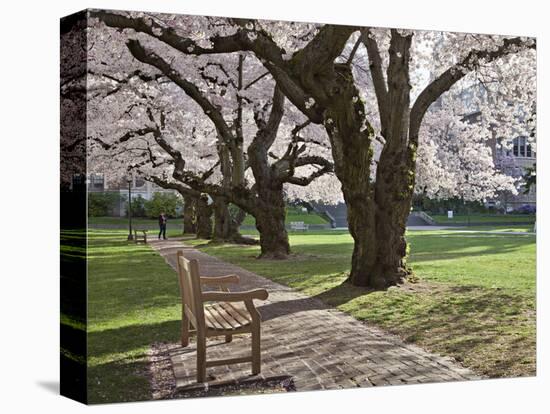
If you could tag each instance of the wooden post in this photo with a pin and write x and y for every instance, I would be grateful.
(256, 351)
(184, 327)
(201, 357)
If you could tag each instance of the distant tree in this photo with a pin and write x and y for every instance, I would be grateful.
(103, 204)
(138, 206)
(167, 203)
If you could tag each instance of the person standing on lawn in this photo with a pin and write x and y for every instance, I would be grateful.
(162, 226)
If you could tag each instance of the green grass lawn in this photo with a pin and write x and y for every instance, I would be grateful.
(475, 299)
(484, 218)
(516, 228)
(133, 301)
(292, 214)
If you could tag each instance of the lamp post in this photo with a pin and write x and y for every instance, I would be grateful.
(130, 236)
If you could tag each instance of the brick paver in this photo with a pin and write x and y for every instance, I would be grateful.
(316, 346)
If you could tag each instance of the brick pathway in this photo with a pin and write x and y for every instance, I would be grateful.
(317, 346)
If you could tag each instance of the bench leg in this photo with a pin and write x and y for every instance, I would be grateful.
(228, 338)
(201, 358)
(184, 330)
(256, 352)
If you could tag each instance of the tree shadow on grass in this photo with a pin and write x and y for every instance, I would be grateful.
(490, 328)
(125, 339)
(343, 293)
(433, 252)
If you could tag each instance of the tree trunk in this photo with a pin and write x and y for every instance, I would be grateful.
(225, 227)
(204, 218)
(270, 212)
(358, 195)
(189, 224)
(393, 197)
(377, 222)
(395, 174)
(353, 157)
(270, 222)
(360, 224)
(377, 209)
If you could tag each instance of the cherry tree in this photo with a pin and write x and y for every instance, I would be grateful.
(458, 157)
(246, 112)
(311, 69)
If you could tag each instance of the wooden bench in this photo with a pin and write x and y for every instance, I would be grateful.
(298, 225)
(141, 237)
(217, 313)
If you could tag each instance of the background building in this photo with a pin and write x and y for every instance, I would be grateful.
(99, 183)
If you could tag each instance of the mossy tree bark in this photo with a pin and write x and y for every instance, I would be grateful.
(189, 223)
(226, 224)
(270, 222)
(204, 218)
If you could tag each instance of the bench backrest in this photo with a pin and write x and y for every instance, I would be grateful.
(190, 290)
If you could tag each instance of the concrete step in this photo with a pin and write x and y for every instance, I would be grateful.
(339, 214)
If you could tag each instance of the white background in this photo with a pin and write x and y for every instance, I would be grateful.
(29, 206)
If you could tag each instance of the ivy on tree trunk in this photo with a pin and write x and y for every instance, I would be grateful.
(189, 222)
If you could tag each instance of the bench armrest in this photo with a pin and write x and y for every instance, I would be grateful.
(260, 294)
(219, 280)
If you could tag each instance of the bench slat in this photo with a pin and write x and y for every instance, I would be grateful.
(221, 323)
(221, 320)
(227, 316)
(241, 316)
(223, 316)
(211, 321)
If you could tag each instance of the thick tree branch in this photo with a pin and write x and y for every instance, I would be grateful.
(215, 79)
(223, 44)
(314, 160)
(171, 185)
(325, 47)
(354, 50)
(326, 167)
(395, 132)
(244, 39)
(267, 131)
(125, 137)
(377, 74)
(151, 58)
